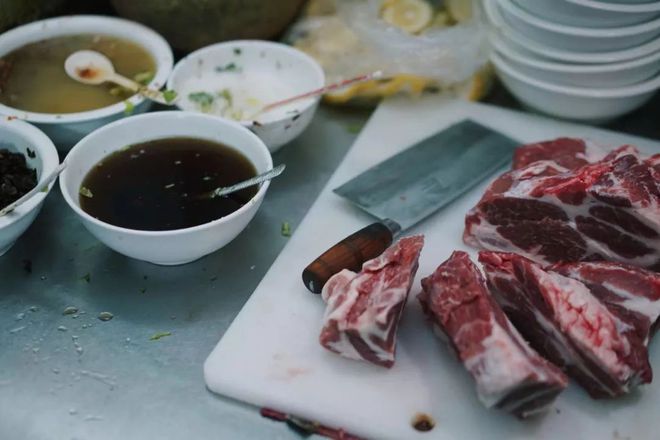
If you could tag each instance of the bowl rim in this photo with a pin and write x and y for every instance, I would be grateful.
(269, 45)
(647, 86)
(619, 7)
(48, 156)
(510, 52)
(125, 29)
(612, 32)
(165, 116)
(505, 31)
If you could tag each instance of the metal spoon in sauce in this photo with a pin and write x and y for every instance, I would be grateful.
(94, 68)
(34, 191)
(223, 191)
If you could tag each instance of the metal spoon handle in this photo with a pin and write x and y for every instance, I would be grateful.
(219, 192)
(38, 188)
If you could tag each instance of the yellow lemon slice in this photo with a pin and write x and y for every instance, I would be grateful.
(409, 15)
(460, 10)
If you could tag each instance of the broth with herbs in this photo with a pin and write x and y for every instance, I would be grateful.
(32, 77)
(156, 185)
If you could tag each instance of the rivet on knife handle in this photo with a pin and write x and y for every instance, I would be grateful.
(350, 253)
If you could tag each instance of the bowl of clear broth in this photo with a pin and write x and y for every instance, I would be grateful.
(138, 184)
(34, 86)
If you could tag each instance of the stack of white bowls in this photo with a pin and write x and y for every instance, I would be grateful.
(586, 60)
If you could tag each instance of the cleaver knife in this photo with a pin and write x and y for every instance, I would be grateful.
(408, 187)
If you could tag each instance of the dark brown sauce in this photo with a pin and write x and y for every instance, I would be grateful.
(154, 186)
(423, 422)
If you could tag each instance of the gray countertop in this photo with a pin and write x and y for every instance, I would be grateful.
(76, 377)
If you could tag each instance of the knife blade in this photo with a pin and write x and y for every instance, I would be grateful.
(408, 187)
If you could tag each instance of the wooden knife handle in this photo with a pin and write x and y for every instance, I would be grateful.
(350, 253)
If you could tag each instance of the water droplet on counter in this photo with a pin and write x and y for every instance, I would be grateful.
(92, 418)
(34, 308)
(128, 340)
(20, 316)
(56, 370)
(62, 328)
(105, 316)
(79, 349)
(70, 310)
(35, 350)
(73, 411)
(16, 330)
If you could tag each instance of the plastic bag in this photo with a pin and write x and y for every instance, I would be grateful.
(356, 40)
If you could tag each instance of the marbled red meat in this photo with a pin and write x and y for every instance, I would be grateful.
(363, 309)
(565, 322)
(606, 210)
(631, 293)
(508, 373)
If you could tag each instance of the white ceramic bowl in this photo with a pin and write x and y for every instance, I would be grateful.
(514, 38)
(627, 6)
(573, 38)
(18, 136)
(68, 128)
(164, 247)
(298, 71)
(581, 75)
(580, 104)
(587, 15)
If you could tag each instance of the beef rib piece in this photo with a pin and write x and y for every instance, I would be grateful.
(363, 309)
(562, 154)
(607, 210)
(567, 324)
(631, 293)
(509, 374)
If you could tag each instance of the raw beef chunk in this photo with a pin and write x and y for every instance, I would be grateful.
(363, 309)
(607, 210)
(566, 153)
(509, 374)
(632, 293)
(567, 324)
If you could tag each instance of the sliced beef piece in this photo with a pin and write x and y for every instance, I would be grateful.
(563, 153)
(363, 309)
(608, 210)
(567, 324)
(509, 374)
(632, 293)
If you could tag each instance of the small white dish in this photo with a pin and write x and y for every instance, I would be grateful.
(515, 39)
(175, 246)
(589, 14)
(573, 38)
(265, 71)
(68, 128)
(610, 75)
(18, 136)
(580, 104)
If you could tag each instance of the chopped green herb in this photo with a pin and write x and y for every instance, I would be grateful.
(129, 107)
(117, 91)
(87, 277)
(237, 51)
(44, 189)
(231, 67)
(157, 336)
(227, 96)
(144, 78)
(169, 96)
(85, 192)
(286, 229)
(203, 100)
(354, 128)
(143, 290)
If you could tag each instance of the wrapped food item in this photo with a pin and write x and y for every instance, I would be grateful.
(420, 46)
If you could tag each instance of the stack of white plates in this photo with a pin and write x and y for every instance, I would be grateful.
(588, 60)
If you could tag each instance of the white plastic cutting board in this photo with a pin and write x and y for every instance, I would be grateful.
(270, 356)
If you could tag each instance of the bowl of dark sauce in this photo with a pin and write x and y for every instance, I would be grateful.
(136, 184)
